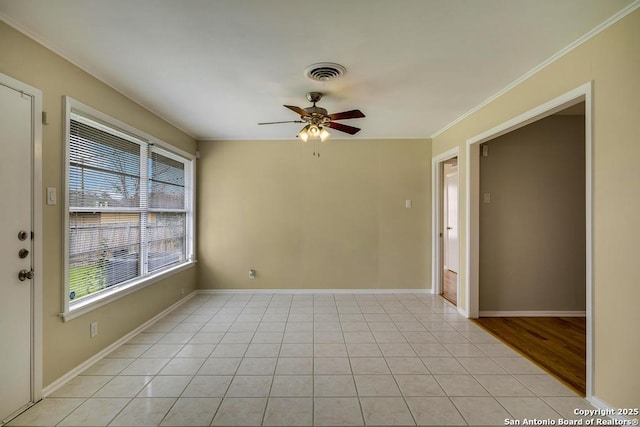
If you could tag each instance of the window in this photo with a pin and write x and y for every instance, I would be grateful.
(130, 205)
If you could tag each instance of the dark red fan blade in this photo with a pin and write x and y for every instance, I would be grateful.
(288, 121)
(343, 128)
(352, 114)
(297, 110)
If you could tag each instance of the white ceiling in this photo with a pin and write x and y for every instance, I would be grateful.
(215, 68)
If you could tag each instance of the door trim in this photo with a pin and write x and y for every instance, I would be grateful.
(437, 221)
(36, 227)
(472, 203)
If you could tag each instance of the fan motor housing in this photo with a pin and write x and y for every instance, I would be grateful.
(316, 111)
(314, 96)
(317, 115)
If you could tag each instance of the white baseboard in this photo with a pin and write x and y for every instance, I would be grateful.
(533, 313)
(608, 410)
(315, 291)
(463, 312)
(51, 388)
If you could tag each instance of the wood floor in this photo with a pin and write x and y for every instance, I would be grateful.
(557, 344)
(450, 286)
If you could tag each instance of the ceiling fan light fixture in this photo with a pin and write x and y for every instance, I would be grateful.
(314, 131)
(318, 120)
(304, 134)
(324, 134)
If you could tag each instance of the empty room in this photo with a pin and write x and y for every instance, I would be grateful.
(346, 213)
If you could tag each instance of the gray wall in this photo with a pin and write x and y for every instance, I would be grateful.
(532, 233)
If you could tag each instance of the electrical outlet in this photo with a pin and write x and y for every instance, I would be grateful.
(93, 330)
(252, 274)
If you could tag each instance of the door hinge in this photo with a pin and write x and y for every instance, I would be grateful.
(44, 118)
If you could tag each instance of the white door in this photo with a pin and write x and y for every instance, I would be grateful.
(16, 341)
(451, 222)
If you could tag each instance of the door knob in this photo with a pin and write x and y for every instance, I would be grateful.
(23, 253)
(25, 274)
(22, 235)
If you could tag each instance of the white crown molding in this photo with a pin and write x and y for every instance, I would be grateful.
(586, 37)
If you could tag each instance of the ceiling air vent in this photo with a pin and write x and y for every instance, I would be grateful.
(324, 71)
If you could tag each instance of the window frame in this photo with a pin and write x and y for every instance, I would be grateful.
(148, 144)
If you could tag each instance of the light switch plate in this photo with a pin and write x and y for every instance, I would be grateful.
(408, 204)
(51, 196)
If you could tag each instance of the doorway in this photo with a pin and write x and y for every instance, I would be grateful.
(20, 257)
(474, 196)
(531, 244)
(445, 225)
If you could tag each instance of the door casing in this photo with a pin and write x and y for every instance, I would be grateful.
(472, 204)
(437, 221)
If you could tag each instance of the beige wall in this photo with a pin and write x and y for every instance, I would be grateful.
(532, 233)
(612, 62)
(338, 221)
(66, 345)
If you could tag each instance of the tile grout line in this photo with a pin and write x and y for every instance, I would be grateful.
(396, 381)
(214, 348)
(222, 398)
(173, 357)
(264, 412)
(440, 385)
(194, 375)
(353, 375)
(119, 374)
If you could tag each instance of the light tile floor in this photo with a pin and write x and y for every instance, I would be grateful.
(251, 359)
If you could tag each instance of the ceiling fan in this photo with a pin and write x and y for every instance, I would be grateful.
(318, 119)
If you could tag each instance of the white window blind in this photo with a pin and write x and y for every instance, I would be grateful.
(128, 209)
(166, 227)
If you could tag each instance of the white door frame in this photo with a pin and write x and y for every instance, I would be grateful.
(437, 221)
(36, 227)
(472, 211)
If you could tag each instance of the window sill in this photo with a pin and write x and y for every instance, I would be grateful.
(90, 303)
